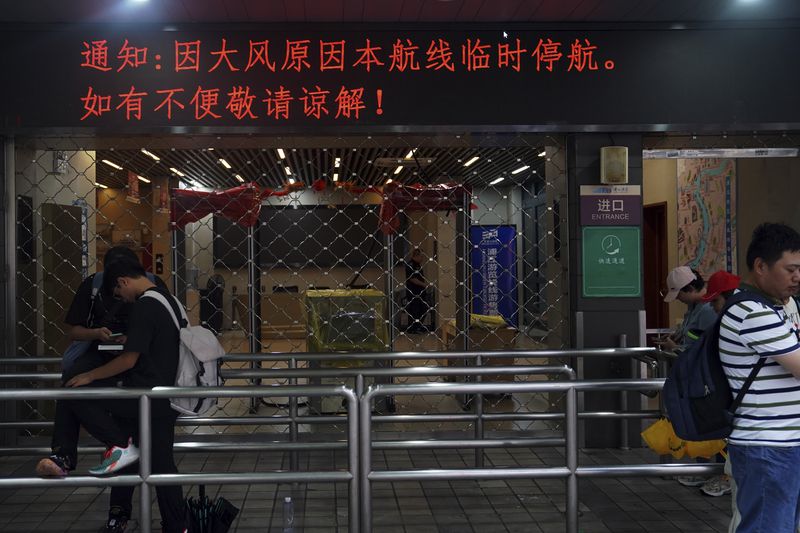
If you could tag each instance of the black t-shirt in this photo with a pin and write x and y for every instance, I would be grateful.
(414, 271)
(107, 311)
(152, 333)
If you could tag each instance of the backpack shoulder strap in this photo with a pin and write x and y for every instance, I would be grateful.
(173, 307)
(744, 296)
(97, 284)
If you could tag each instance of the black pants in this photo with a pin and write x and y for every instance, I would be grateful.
(416, 307)
(113, 422)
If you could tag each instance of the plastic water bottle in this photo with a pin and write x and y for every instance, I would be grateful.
(288, 515)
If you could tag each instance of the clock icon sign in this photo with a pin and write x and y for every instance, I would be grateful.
(611, 245)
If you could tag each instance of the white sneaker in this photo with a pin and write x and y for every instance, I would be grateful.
(692, 481)
(717, 486)
(116, 458)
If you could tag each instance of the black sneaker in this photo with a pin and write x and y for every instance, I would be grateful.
(117, 521)
(53, 466)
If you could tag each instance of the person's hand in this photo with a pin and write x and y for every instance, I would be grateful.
(80, 380)
(667, 344)
(120, 339)
(102, 334)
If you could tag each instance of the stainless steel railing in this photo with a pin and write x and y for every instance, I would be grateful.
(146, 478)
(570, 472)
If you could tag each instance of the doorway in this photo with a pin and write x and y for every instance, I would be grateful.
(655, 264)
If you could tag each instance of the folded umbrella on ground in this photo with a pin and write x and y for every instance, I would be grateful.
(206, 516)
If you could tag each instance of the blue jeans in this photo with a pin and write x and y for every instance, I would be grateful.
(768, 495)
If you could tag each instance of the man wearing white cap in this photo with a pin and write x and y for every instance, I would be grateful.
(687, 286)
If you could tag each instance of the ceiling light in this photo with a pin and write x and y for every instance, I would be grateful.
(100, 185)
(224, 163)
(496, 180)
(542, 153)
(151, 155)
(211, 149)
(335, 177)
(288, 171)
(281, 153)
(238, 177)
(398, 170)
(291, 180)
(112, 164)
(176, 171)
(388, 181)
(143, 179)
(410, 154)
(337, 162)
(520, 169)
(468, 163)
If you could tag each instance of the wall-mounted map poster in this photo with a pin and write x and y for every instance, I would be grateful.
(707, 214)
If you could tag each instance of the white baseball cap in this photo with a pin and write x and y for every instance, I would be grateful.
(678, 278)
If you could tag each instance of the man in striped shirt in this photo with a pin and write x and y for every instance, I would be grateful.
(764, 445)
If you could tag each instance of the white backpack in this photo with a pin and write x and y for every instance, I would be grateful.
(197, 363)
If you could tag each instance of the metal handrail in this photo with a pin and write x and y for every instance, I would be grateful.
(570, 472)
(146, 478)
(645, 352)
(286, 373)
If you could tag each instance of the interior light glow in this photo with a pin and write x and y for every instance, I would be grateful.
(337, 162)
(410, 154)
(496, 180)
(224, 163)
(398, 170)
(389, 180)
(335, 177)
(468, 163)
(281, 153)
(151, 155)
(238, 177)
(112, 164)
(291, 181)
(288, 171)
(177, 172)
(520, 169)
(100, 185)
(542, 153)
(143, 179)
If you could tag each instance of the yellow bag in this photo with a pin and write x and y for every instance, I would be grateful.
(661, 438)
(706, 448)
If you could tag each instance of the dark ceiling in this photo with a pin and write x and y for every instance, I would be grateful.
(393, 11)
(362, 165)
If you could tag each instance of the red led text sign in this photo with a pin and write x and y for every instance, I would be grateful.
(302, 87)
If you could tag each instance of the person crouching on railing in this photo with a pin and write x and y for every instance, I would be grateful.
(149, 359)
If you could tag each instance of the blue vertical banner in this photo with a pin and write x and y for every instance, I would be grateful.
(494, 271)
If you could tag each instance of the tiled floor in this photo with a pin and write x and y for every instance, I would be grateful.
(530, 506)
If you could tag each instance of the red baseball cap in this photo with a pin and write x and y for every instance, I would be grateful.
(719, 282)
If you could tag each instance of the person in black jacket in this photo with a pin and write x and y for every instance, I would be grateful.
(416, 292)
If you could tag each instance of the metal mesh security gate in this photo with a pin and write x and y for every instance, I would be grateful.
(316, 273)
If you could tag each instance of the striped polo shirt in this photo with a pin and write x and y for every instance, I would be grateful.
(770, 412)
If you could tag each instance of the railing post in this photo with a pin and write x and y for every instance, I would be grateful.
(479, 430)
(365, 466)
(294, 458)
(623, 403)
(352, 451)
(572, 459)
(145, 461)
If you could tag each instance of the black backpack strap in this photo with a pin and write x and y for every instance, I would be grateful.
(745, 296)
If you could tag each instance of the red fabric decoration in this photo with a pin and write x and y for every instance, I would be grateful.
(419, 197)
(241, 204)
(319, 185)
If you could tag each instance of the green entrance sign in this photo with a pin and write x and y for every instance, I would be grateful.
(611, 262)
